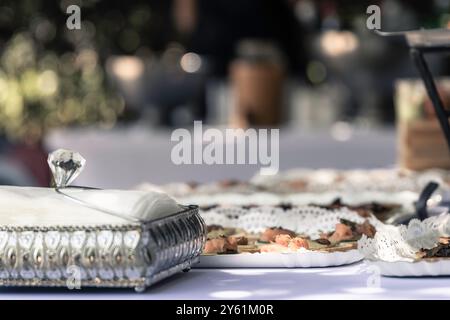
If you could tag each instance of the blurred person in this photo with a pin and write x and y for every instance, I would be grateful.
(254, 42)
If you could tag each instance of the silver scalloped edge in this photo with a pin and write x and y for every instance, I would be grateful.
(95, 283)
(133, 255)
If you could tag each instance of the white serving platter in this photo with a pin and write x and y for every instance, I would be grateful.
(301, 259)
(423, 268)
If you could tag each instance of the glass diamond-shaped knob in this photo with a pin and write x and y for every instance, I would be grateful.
(65, 165)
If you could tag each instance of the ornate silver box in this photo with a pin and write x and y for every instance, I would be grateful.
(78, 237)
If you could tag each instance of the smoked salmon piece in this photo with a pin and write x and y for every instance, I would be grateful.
(342, 232)
(270, 234)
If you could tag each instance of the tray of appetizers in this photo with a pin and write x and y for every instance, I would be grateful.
(384, 206)
(420, 249)
(314, 181)
(283, 237)
(389, 193)
(325, 180)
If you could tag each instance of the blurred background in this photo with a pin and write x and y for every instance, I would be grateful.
(136, 69)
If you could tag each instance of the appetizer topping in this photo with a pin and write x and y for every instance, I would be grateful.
(366, 228)
(349, 230)
(297, 184)
(235, 240)
(343, 232)
(298, 243)
(283, 239)
(193, 184)
(442, 250)
(238, 240)
(270, 234)
(323, 241)
(213, 227)
(230, 183)
(248, 249)
(381, 210)
(220, 245)
(218, 231)
(359, 229)
(287, 241)
(273, 247)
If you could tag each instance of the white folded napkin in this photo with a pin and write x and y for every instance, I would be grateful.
(28, 206)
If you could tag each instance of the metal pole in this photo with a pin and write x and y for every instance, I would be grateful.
(433, 93)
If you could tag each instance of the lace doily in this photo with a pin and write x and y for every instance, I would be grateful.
(401, 243)
(305, 220)
(404, 199)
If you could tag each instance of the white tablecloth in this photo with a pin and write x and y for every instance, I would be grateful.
(349, 282)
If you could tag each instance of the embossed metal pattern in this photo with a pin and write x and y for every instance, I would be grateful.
(133, 255)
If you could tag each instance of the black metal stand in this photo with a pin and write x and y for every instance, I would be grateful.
(442, 114)
(428, 41)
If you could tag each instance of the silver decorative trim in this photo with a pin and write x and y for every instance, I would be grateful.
(134, 255)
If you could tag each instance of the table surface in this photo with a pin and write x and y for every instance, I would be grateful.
(355, 281)
(126, 157)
